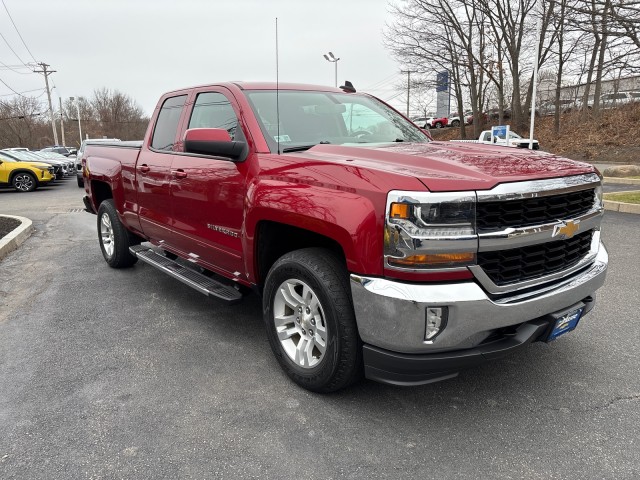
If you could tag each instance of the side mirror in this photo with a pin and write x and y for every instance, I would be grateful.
(214, 141)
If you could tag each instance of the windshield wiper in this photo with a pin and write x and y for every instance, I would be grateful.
(301, 148)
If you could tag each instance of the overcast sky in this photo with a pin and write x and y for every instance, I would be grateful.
(146, 47)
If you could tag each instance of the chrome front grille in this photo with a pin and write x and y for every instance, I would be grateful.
(538, 232)
(497, 215)
(515, 265)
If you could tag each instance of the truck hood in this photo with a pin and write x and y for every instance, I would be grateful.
(447, 166)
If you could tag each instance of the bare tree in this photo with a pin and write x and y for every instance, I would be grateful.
(19, 121)
(436, 35)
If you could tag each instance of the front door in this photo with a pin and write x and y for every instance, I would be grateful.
(208, 192)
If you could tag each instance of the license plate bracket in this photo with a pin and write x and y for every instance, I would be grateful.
(566, 321)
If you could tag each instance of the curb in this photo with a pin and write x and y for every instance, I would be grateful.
(622, 207)
(16, 237)
(622, 181)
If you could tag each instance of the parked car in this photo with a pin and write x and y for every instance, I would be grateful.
(494, 113)
(68, 161)
(380, 254)
(514, 140)
(431, 122)
(61, 149)
(60, 167)
(612, 100)
(24, 176)
(454, 120)
(549, 108)
(78, 164)
(468, 118)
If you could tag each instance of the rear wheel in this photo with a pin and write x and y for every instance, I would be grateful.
(114, 239)
(80, 182)
(438, 125)
(310, 321)
(455, 123)
(24, 182)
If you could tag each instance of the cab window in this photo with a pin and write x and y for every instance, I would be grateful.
(164, 135)
(213, 110)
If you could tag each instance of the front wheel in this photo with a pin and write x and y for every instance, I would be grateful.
(439, 125)
(310, 321)
(24, 182)
(114, 239)
(455, 123)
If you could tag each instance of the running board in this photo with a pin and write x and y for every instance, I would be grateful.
(202, 283)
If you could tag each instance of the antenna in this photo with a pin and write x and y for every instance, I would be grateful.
(277, 90)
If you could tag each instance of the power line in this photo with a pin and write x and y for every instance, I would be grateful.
(379, 84)
(14, 67)
(6, 85)
(26, 91)
(18, 32)
(21, 116)
(14, 52)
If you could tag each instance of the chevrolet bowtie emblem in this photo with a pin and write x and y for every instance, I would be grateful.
(566, 229)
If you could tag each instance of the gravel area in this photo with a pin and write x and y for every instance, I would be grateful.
(7, 225)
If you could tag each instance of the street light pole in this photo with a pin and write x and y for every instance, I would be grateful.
(62, 122)
(330, 57)
(78, 110)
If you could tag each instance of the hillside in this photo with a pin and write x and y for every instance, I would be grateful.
(613, 137)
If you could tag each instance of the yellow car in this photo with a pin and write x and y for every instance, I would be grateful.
(24, 176)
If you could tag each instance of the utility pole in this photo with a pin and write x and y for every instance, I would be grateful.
(61, 122)
(46, 74)
(408, 72)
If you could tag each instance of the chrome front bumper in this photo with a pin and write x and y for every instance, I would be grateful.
(391, 315)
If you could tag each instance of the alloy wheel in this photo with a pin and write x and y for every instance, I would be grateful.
(300, 323)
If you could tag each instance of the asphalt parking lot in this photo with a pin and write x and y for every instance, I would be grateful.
(130, 374)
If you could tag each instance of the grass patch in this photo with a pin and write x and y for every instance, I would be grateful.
(627, 197)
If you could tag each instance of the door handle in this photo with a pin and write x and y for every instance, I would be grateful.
(144, 168)
(179, 173)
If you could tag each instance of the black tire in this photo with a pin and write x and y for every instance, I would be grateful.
(24, 182)
(114, 239)
(455, 123)
(340, 364)
(438, 125)
(80, 182)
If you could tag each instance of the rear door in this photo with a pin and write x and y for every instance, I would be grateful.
(208, 192)
(153, 172)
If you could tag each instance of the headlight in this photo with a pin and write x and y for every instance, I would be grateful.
(427, 230)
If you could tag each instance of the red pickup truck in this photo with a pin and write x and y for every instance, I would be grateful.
(376, 251)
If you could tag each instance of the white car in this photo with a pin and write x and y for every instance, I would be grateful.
(514, 140)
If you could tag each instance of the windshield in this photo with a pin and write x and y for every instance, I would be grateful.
(309, 118)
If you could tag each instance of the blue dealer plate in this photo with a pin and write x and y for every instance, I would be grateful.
(566, 323)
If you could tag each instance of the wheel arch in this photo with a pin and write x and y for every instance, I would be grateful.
(100, 191)
(275, 239)
(22, 170)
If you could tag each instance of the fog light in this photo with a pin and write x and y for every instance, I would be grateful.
(435, 322)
